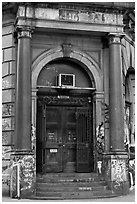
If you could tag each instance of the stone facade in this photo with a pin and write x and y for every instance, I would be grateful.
(93, 37)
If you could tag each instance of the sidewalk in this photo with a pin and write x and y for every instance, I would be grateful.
(126, 198)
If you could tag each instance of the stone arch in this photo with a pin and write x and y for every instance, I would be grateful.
(90, 65)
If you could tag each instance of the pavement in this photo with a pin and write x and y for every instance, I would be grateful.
(125, 198)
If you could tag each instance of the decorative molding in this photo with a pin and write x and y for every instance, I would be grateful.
(115, 38)
(24, 32)
(91, 67)
(63, 100)
(66, 49)
(73, 15)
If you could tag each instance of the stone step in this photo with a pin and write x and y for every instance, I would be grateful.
(76, 195)
(67, 175)
(67, 180)
(69, 188)
(71, 177)
(72, 184)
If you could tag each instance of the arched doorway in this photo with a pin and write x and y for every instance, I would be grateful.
(64, 125)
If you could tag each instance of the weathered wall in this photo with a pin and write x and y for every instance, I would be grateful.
(128, 64)
(8, 97)
(88, 44)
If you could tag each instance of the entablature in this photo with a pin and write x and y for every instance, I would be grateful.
(69, 19)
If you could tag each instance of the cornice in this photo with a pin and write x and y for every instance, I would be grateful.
(107, 7)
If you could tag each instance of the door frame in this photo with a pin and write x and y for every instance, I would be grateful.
(95, 73)
(76, 102)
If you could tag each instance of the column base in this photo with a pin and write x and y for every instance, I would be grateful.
(23, 177)
(115, 171)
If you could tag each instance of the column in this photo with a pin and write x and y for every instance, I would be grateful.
(23, 90)
(116, 105)
(115, 161)
(23, 176)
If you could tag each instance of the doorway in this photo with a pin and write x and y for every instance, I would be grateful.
(64, 135)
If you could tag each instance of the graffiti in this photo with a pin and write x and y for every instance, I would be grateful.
(100, 138)
(33, 137)
(106, 113)
(129, 127)
(7, 109)
(99, 167)
(6, 179)
(86, 188)
(26, 173)
(132, 173)
(6, 124)
(118, 171)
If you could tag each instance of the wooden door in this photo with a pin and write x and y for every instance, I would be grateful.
(65, 139)
(52, 140)
(59, 139)
(84, 140)
(69, 139)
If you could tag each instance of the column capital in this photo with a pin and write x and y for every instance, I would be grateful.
(24, 31)
(115, 38)
(98, 95)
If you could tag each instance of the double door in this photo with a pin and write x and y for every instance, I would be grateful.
(66, 143)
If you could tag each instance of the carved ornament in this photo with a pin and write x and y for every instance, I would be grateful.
(23, 32)
(64, 100)
(73, 15)
(115, 38)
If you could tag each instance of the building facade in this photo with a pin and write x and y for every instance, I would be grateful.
(68, 95)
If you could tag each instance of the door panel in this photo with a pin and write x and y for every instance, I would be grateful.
(84, 126)
(69, 140)
(65, 139)
(52, 140)
(59, 142)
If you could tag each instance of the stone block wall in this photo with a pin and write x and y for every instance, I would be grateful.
(8, 101)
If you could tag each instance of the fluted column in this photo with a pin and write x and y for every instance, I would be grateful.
(116, 105)
(23, 90)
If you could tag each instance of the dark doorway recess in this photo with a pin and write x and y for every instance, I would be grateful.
(64, 134)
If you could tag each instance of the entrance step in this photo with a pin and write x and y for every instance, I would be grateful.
(68, 177)
(71, 186)
(75, 195)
